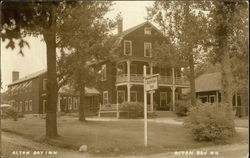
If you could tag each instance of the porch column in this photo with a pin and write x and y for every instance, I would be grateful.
(151, 93)
(173, 97)
(173, 76)
(117, 105)
(128, 92)
(173, 88)
(128, 70)
(128, 79)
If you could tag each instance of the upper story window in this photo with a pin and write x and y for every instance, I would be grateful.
(44, 84)
(127, 47)
(104, 73)
(147, 49)
(147, 30)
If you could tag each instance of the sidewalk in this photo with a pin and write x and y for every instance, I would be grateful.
(166, 120)
(157, 120)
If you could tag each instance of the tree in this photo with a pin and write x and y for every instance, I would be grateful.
(88, 44)
(49, 20)
(35, 18)
(185, 25)
(229, 31)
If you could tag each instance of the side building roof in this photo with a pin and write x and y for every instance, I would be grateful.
(29, 77)
(208, 82)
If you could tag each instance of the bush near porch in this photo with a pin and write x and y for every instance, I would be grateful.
(182, 107)
(211, 122)
(133, 109)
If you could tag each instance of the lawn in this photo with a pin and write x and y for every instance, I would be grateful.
(115, 137)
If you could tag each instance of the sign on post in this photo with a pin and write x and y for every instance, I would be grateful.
(150, 84)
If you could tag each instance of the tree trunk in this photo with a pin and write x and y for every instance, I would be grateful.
(223, 33)
(192, 80)
(0, 109)
(52, 87)
(227, 78)
(82, 102)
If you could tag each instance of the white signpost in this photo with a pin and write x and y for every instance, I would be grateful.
(150, 84)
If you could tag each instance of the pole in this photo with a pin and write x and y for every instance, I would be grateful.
(145, 109)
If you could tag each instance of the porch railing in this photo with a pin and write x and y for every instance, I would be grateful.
(138, 78)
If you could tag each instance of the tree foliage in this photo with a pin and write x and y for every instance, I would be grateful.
(86, 39)
(184, 23)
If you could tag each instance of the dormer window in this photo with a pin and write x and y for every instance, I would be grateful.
(147, 49)
(147, 30)
(127, 47)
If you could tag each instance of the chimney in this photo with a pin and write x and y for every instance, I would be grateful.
(119, 20)
(15, 76)
(119, 25)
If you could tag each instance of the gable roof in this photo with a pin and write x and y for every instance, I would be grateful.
(128, 31)
(29, 77)
(208, 82)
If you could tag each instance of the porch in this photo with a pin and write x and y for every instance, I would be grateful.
(163, 99)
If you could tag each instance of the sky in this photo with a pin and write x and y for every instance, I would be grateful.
(34, 59)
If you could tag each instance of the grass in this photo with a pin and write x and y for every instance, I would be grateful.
(104, 137)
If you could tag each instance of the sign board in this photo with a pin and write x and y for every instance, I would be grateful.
(151, 83)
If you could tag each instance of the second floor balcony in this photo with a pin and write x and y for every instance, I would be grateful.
(164, 80)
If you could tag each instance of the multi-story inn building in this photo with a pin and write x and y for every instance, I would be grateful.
(122, 79)
(28, 95)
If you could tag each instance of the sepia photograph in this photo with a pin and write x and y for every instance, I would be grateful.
(124, 79)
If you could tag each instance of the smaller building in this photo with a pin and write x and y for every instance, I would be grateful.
(28, 95)
(208, 89)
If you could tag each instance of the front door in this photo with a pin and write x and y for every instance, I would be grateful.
(120, 96)
(163, 101)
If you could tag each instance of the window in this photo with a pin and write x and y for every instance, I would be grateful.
(211, 98)
(121, 69)
(133, 96)
(26, 106)
(127, 47)
(120, 96)
(70, 103)
(147, 49)
(20, 107)
(66, 104)
(163, 99)
(30, 105)
(44, 84)
(203, 99)
(104, 73)
(73, 103)
(105, 97)
(133, 69)
(147, 30)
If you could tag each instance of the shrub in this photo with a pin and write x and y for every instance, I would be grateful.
(181, 107)
(10, 112)
(211, 122)
(134, 109)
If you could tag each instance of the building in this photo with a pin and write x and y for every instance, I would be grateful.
(208, 89)
(122, 78)
(28, 95)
